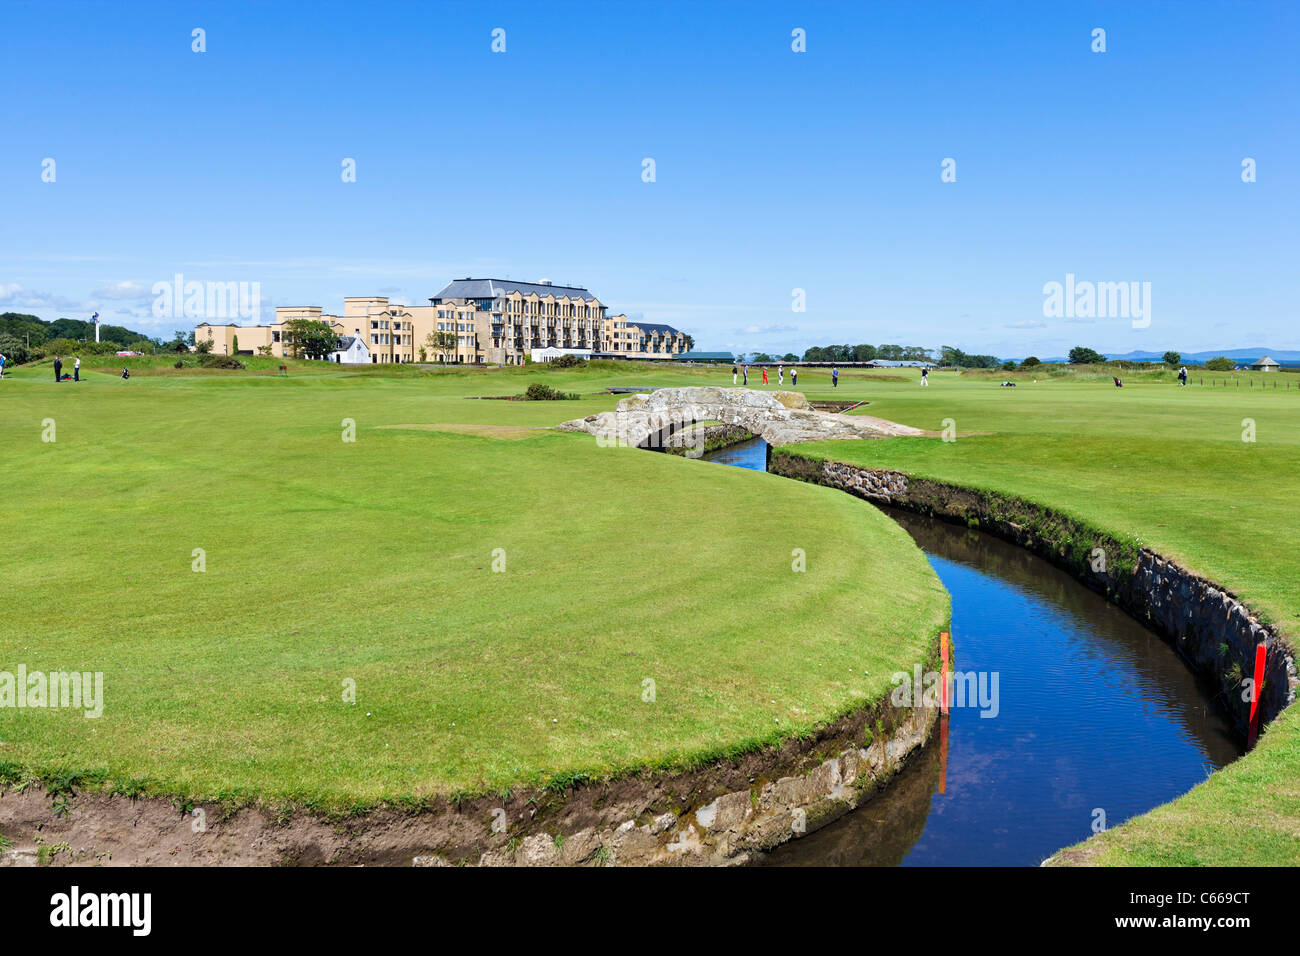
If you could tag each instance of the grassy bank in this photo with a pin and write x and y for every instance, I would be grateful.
(370, 563)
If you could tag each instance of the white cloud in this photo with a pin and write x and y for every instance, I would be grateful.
(766, 329)
(125, 289)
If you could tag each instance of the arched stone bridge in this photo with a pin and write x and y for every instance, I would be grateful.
(779, 418)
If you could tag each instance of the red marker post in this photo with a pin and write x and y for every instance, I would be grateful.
(943, 653)
(1261, 652)
(943, 714)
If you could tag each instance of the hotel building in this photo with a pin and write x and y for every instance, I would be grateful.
(492, 321)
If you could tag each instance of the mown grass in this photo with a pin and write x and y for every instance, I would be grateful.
(372, 562)
(1167, 467)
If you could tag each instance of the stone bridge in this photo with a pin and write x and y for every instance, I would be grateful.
(779, 418)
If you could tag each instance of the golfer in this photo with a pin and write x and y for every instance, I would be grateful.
(58, 369)
(780, 375)
(76, 368)
(794, 377)
(744, 371)
(764, 374)
(925, 376)
(835, 377)
(733, 373)
(2, 365)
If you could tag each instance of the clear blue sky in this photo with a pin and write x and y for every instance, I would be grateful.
(775, 170)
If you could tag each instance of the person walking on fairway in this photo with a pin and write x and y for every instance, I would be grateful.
(925, 376)
(58, 369)
(835, 377)
(76, 368)
(1182, 376)
(744, 371)
(733, 373)
(764, 374)
(780, 375)
(2, 365)
(794, 378)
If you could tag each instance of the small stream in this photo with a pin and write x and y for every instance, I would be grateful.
(1097, 719)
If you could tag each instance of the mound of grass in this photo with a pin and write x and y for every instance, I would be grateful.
(282, 612)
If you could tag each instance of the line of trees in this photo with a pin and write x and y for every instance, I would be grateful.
(947, 355)
(867, 353)
(24, 338)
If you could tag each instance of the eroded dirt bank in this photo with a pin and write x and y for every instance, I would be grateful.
(720, 814)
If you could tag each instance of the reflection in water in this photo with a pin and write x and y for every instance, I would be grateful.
(1097, 715)
(745, 454)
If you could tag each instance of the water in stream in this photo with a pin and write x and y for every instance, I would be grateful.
(1096, 714)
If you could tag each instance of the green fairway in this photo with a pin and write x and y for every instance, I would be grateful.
(372, 561)
(1166, 466)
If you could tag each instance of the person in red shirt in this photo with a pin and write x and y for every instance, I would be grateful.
(764, 374)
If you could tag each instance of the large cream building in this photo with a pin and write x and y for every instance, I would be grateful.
(493, 321)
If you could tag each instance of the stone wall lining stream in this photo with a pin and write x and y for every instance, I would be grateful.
(1210, 627)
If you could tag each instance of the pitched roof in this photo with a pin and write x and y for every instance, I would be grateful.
(651, 327)
(1265, 361)
(490, 288)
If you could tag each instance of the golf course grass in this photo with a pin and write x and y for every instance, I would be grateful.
(512, 605)
(372, 561)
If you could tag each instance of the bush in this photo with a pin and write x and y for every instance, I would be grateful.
(203, 346)
(568, 361)
(1081, 355)
(220, 361)
(180, 363)
(537, 392)
(1030, 362)
(14, 350)
(1008, 366)
(1220, 364)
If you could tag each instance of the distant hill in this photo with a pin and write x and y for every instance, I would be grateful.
(1241, 356)
(22, 326)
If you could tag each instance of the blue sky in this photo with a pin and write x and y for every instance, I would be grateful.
(775, 170)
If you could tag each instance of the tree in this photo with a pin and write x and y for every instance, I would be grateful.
(1173, 358)
(309, 338)
(890, 353)
(234, 344)
(1008, 366)
(441, 342)
(763, 357)
(690, 343)
(203, 347)
(13, 349)
(1030, 361)
(789, 357)
(1220, 364)
(949, 355)
(1081, 355)
(862, 353)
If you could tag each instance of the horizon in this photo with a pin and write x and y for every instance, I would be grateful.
(781, 178)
